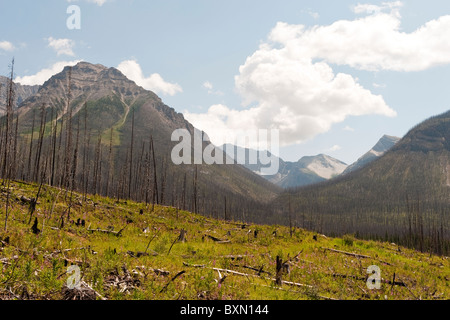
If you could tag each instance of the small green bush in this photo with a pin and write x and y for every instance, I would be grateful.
(348, 240)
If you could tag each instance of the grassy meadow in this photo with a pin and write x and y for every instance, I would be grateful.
(132, 251)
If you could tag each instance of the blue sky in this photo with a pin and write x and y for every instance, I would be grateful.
(333, 76)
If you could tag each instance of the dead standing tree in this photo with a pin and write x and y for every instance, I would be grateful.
(155, 182)
(7, 139)
(130, 178)
(37, 161)
(8, 132)
(111, 164)
(68, 150)
(30, 152)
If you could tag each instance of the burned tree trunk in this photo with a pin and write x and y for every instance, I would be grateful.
(39, 147)
(130, 178)
(110, 166)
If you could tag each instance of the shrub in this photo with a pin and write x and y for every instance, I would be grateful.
(348, 240)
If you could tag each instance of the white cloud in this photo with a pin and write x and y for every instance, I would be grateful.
(348, 128)
(379, 85)
(222, 124)
(373, 42)
(62, 46)
(97, 2)
(312, 14)
(335, 148)
(132, 70)
(392, 7)
(300, 98)
(208, 85)
(40, 77)
(289, 84)
(6, 46)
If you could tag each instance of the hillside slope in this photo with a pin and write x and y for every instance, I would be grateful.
(126, 251)
(108, 128)
(382, 146)
(403, 196)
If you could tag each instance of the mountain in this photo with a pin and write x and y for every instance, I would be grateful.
(21, 93)
(103, 139)
(322, 165)
(383, 145)
(403, 196)
(308, 170)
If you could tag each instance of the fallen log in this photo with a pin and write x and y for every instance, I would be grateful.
(214, 238)
(65, 250)
(194, 265)
(345, 276)
(116, 233)
(251, 275)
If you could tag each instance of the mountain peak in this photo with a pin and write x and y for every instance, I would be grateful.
(383, 145)
(323, 165)
(88, 72)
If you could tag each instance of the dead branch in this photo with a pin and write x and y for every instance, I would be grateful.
(348, 253)
(357, 255)
(96, 293)
(283, 289)
(345, 276)
(6, 260)
(160, 272)
(249, 275)
(260, 270)
(67, 250)
(214, 238)
(116, 233)
(171, 280)
(235, 257)
(415, 297)
(194, 265)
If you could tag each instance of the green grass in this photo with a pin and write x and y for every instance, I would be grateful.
(39, 270)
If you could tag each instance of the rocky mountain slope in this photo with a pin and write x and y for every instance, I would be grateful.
(308, 170)
(383, 145)
(114, 121)
(21, 93)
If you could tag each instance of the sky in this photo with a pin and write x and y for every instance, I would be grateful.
(332, 76)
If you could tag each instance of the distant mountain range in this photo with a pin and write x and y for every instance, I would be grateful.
(306, 171)
(21, 93)
(314, 169)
